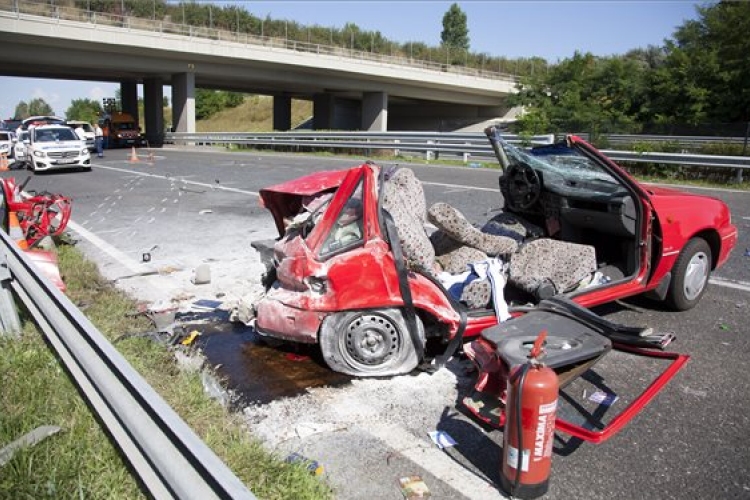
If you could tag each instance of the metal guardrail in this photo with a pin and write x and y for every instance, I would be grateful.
(687, 141)
(432, 144)
(169, 458)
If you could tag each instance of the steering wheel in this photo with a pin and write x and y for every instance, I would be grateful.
(523, 185)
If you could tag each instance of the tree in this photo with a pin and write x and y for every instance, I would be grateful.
(35, 107)
(455, 34)
(209, 102)
(584, 94)
(707, 69)
(87, 110)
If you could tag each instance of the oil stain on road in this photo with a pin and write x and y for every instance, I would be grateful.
(256, 370)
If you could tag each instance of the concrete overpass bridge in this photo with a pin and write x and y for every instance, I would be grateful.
(350, 90)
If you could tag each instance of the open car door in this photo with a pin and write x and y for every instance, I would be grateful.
(578, 342)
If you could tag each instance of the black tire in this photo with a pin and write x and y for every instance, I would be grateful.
(690, 275)
(372, 343)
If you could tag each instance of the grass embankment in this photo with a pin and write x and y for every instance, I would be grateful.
(80, 462)
(253, 115)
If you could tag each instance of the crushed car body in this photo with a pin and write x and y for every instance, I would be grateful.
(356, 271)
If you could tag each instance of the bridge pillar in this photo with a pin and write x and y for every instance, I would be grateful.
(183, 102)
(375, 111)
(153, 108)
(282, 112)
(129, 97)
(324, 107)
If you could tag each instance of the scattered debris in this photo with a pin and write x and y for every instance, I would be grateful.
(146, 257)
(307, 429)
(202, 275)
(413, 487)
(205, 211)
(747, 252)
(206, 304)
(190, 337)
(603, 398)
(311, 465)
(442, 439)
(694, 392)
(28, 439)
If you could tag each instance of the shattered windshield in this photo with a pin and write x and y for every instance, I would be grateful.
(560, 159)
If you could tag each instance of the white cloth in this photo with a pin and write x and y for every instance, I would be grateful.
(492, 269)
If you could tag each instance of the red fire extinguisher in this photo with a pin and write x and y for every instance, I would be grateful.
(529, 427)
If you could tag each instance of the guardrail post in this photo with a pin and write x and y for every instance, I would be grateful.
(429, 155)
(10, 325)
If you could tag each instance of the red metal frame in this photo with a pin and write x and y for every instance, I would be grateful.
(625, 416)
(39, 215)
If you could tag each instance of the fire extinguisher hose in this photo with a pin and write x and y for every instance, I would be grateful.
(519, 429)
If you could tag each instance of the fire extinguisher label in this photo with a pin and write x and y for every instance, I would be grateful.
(548, 408)
(513, 458)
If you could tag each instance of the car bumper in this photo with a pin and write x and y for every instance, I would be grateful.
(276, 319)
(729, 237)
(41, 165)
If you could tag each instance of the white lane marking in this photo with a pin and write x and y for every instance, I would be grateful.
(460, 186)
(181, 179)
(737, 285)
(130, 264)
(434, 461)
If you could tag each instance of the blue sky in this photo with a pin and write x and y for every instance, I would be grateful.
(552, 29)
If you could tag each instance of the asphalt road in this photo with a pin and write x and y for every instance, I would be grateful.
(692, 441)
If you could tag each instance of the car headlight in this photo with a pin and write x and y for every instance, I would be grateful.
(84, 152)
(40, 154)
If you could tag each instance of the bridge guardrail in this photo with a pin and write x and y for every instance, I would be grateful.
(43, 8)
(169, 458)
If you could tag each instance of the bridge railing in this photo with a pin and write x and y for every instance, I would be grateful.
(58, 13)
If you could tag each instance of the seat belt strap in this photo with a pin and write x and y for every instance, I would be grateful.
(403, 284)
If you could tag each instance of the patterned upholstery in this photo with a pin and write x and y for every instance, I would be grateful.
(552, 264)
(403, 198)
(545, 261)
(454, 224)
(457, 260)
(507, 224)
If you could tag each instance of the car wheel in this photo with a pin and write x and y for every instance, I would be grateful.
(372, 343)
(690, 275)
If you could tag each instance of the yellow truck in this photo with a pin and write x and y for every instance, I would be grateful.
(120, 130)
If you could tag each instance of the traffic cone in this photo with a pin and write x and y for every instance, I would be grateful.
(4, 162)
(15, 232)
(133, 156)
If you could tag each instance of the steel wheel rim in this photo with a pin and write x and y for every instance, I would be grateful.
(370, 340)
(696, 276)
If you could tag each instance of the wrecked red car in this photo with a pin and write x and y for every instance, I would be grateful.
(356, 271)
(366, 270)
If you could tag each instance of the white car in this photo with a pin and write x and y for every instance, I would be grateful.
(19, 148)
(53, 147)
(6, 143)
(85, 131)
